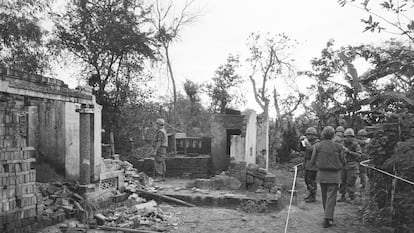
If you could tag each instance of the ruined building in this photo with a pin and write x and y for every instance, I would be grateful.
(61, 124)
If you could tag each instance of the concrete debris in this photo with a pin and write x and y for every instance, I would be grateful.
(143, 215)
(135, 180)
(61, 200)
(218, 182)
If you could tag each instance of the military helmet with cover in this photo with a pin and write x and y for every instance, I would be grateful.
(362, 133)
(160, 121)
(349, 132)
(340, 129)
(328, 132)
(311, 131)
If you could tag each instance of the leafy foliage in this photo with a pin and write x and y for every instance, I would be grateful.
(111, 40)
(391, 149)
(399, 20)
(22, 37)
(224, 84)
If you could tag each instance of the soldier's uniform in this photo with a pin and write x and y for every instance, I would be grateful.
(160, 145)
(351, 171)
(310, 169)
(363, 142)
(339, 135)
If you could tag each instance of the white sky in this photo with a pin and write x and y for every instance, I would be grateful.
(224, 25)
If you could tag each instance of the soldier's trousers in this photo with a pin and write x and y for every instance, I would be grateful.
(363, 176)
(348, 179)
(310, 181)
(329, 192)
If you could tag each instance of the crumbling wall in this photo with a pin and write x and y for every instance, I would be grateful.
(51, 109)
(261, 141)
(220, 123)
(250, 137)
(18, 201)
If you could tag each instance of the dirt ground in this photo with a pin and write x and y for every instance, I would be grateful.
(304, 217)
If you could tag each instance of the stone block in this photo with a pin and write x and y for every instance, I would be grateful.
(249, 179)
(252, 167)
(269, 177)
(268, 185)
(260, 175)
(203, 184)
(237, 165)
(258, 181)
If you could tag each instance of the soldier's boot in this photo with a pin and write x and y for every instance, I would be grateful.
(342, 199)
(307, 197)
(352, 196)
(327, 223)
(312, 198)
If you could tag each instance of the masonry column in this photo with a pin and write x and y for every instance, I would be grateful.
(85, 144)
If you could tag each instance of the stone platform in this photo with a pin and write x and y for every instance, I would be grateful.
(179, 166)
(218, 198)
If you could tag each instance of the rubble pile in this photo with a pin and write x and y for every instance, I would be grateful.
(259, 179)
(142, 215)
(61, 200)
(135, 180)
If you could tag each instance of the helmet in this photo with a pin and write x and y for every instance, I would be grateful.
(349, 132)
(340, 129)
(362, 132)
(328, 132)
(311, 130)
(160, 121)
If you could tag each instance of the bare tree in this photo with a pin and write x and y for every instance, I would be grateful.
(168, 24)
(268, 60)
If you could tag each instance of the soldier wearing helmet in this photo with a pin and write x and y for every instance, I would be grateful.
(306, 145)
(350, 173)
(160, 149)
(339, 134)
(328, 157)
(363, 140)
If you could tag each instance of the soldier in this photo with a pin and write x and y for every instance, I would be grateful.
(328, 157)
(363, 141)
(351, 171)
(160, 149)
(339, 134)
(307, 143)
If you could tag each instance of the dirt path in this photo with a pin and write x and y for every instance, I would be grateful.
(305, 218)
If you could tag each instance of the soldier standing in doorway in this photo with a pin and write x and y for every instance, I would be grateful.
(160, 149)
(307, 144)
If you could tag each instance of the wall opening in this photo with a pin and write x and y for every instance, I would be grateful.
(229, 133)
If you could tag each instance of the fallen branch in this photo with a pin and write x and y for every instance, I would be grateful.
(166, 198)
(124, 229)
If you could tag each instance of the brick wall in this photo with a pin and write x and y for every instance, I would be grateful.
(19, 204)
(54, 121)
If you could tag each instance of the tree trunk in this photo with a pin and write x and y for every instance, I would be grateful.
(174, 113)
(266, 112)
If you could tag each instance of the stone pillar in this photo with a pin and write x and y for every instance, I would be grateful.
(85, 145)
(72, 135)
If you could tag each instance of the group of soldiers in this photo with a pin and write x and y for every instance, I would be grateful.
(355, 151)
